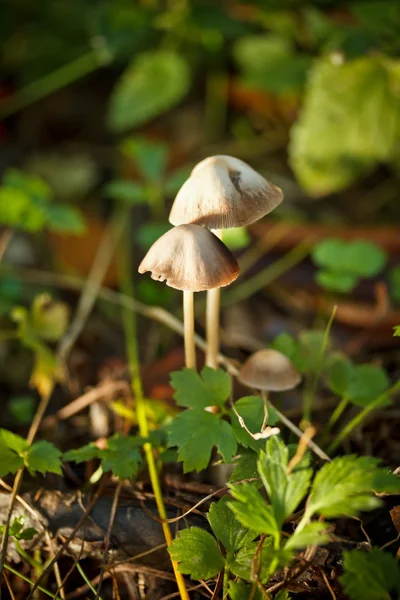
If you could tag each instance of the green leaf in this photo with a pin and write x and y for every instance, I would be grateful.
(17, 530)
(197, 553)
(196, 432)
(336, 281)
(83, 454)
(44, 457)
(148, 233)
(239, 590)
(152, 84)
(367, 383)
(252, 510)
(339, 136)
(309, 350)
(212, 388)
(150, 156)
(373, 575)
(312, 534)
(267, 560)
(49, 318)
(251, 408)
(65, 219)
(339, 374)
(127, 192)
(286, 344)
(344, 486)
(396, 331)
(12, 441)
(121, 456)
(226, 528)
(246, 468)
(394, 279)
(282, 595)
(237, 238)
(22, 408)
(176, 180)
(16, 210)
(9, 461)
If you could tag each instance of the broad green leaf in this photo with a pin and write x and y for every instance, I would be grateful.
(22, 409)
(394, 279)
(126, 191)
(196, 432)
(150, 156)
(49, 318)
(286, 344)
(152, 84)
(239, 590)
(266, 560)
(396, 331)
(251, 408)
(308, 356)
(340, 136)
(10, 462)
(197, 553)
(312, 534)
(344, 486)
(336, 281)
(124, 464)
(227, 528)
(61, 218)
(252, 510)
(44, 457)
(282, 595)
(16, 210)
(339, 374)
(212, 388)
(12, 441)
(373, 575)
(82, 454)
(366, 384)
(246, 468)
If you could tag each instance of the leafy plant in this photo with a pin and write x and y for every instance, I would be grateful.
(26, 202)
(18, 531)
(344, 263)
(121, 455)
(373, 575)
(15, 453)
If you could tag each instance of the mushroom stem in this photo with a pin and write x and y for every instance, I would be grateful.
(264, 397)
(212, 320)
(188, 319)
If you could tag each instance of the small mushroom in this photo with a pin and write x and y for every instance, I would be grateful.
(269, 371)
(192, 259)
(222, 192)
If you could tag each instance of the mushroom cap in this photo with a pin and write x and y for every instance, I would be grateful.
(223, 192)
(190, 258)
(269, 370)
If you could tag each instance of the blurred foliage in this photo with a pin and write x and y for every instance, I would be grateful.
(337, 62)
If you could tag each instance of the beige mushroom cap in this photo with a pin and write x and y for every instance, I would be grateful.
(223, 192)
(269, 370)
(190, 258)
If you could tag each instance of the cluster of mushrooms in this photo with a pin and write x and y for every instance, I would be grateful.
(222, 192)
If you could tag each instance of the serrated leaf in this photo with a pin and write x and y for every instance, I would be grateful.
(12, 441)
(152, 84)
(239, 590)
(251, 408)
(312, 534)
(124, 464)
(226, 528)
(339, 136)
(252, 510)
(246, 468)
(83, 454)
(44, 457)
(212, 388)
(266, 559)
(10, 462)
(196, 432)
(197, 553)
(373, 575)
(344, 486)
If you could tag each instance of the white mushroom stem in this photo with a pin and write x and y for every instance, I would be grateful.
(188, 319)
(212, 321)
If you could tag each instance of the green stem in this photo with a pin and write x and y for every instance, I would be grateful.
(86, 579)
(311, 388)
(36, 565)
(50, 83)
(130, 329)
(267, 275)
(225, 583)
(337, 413)
(39, 587)
(359, 418)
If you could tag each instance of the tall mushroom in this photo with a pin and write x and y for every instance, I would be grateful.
(222, 192)
(269, 371)
(190, 258)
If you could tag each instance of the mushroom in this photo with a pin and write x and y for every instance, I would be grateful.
(222, 192)
(269, 371)
(190, 258)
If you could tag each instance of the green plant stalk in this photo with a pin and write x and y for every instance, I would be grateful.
(337, 413)
(310, 390)
(50, 83)
(267, 275)
(359, 418)
(39, 587)
(35, 564)
(129, 322)
(86, 580)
